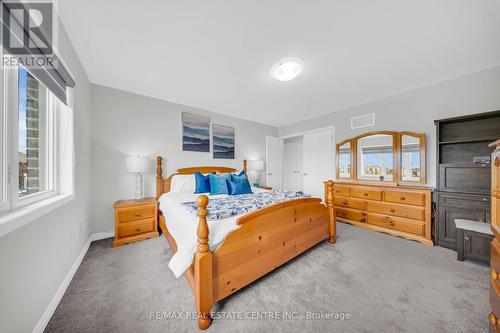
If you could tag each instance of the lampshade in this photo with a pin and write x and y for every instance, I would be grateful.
(138, 164)
(257, 165)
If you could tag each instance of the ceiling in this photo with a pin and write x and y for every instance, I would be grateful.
(216, 55)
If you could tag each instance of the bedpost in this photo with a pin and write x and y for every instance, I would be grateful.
(159, 177)
(331, 210)
(245, 167)
(203, 268)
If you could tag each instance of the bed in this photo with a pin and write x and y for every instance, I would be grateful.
(262, 240)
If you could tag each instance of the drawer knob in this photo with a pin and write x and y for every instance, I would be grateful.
(137, 229)
(494, 274)
(392, 210)
(391, 223)
(402, 198)
(345, 203)
(493, 319)
(365, 194)
(138, 214)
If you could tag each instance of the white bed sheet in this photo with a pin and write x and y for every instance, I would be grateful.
(182, 225)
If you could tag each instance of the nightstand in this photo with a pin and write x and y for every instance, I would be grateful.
(135, 220)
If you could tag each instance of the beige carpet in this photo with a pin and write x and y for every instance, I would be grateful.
(383, 283)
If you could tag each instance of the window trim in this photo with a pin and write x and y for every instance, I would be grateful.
(18, 211)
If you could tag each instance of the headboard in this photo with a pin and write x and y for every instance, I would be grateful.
(163, 185)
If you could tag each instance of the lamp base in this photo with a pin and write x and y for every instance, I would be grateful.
(139, 180)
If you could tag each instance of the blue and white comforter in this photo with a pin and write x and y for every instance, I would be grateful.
(240, 204)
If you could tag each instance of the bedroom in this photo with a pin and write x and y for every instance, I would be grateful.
(392, 99)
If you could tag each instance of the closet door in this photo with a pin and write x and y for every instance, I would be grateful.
(318, 161)
(292, 165)
(274, 154)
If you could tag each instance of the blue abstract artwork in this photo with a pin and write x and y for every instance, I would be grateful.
(195, 133)
(223, 137)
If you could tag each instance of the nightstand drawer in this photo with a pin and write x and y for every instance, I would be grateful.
(136, 227)
(127, 214)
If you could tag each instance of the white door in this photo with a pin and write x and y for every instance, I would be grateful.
(274, 150)
(292, 164)
(318, 161)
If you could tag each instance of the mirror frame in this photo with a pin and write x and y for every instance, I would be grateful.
(397, 150)
(421, 138)
(353, 164)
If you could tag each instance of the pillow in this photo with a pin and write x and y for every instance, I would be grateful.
(239, 174)
(239, 178)
(202, 183)
(218, 183)
(236, 188)
(182, 183)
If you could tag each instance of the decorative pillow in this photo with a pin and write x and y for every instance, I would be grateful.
(218, 183)
(236, 188)
(202, 183)
(182, 183)
(239, 178)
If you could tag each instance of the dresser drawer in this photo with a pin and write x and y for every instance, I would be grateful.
(136, 227)
(495, 297)
(127, 214)
(350, 214)
(408, 198)
(396, 223)
(342, 190)
(349, 202)
(408, 212)
(365, 193)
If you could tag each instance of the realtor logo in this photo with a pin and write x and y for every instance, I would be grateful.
(28, 31)
(27, 27)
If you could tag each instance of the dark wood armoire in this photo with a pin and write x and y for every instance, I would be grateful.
(464, 175)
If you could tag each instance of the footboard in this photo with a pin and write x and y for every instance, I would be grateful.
(266, 239)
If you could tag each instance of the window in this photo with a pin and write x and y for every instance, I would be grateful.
(29, 147)
(33, 133)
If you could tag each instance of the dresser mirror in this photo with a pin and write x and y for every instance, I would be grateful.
(344, 164)
(412, 160)
(383, 156)
(375, 156)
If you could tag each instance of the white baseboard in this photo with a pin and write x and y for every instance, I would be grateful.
(102, 235)
(51, 308)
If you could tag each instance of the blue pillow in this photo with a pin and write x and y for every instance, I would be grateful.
(218, 183)
(242, 173)
(202, 183)
(236, 188)
(240, 178)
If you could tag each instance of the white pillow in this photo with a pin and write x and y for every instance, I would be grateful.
(182, 184)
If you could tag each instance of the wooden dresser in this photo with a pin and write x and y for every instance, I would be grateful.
(403, 211)
(135, 220)
(495, 244)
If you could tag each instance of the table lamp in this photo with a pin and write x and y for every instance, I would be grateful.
(138, 165)
(256, 166)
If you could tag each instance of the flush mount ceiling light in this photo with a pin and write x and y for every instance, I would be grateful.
(287, 69)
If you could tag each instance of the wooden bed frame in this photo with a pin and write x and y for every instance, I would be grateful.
(267, 238)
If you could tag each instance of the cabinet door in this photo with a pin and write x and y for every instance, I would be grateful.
(446, 231)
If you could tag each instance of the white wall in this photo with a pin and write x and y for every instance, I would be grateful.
(125, 124)
(416, 110)
(35, 259)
